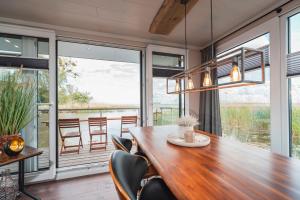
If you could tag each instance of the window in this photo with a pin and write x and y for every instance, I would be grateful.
(245, 111)
(294, 83)
(166, 107)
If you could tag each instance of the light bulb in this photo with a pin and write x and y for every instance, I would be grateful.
(235, 74)
(177, 86)
(207, 79)
(190, 84)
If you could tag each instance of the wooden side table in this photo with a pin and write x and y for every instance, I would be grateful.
(28, 152)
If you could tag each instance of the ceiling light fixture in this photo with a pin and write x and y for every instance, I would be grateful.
(7, 40)
(233, 64)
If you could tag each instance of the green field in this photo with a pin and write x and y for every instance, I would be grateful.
(250, 123)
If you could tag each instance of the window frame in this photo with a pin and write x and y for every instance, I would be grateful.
(149, 77)
(285, 32)
(51, 36)
(278, 89)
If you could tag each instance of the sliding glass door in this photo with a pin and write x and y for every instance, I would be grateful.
(96, 81)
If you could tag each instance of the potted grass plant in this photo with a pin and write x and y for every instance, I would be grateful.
(16, 103)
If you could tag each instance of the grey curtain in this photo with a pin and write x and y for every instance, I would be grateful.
(209, 109)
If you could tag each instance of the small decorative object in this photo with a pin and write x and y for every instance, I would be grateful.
(16, 103)
(8, 187)
(189, 136)
(14, 145)
(200, 140)
(187, 124)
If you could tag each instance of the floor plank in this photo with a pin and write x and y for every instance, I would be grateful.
(94, 187)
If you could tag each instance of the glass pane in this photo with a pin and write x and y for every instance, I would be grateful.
(295, 116)
(95, 87)
(10, 45)
(167, 60)
(245, 111)
(165, 106)
(294, 33)
(43, 117)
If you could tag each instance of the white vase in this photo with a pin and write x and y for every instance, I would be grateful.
(184, 129)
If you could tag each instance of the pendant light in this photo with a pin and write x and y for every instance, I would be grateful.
(207, 79)
(235, 73)
(232, 63)
(177, 85)
(190, 83)
(207, 76)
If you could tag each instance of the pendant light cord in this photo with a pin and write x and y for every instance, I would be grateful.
(211, 30)
(185, 38)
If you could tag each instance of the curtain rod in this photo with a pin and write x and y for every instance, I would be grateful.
(278, 10)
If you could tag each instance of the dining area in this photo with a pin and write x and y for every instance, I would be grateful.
(221, 169)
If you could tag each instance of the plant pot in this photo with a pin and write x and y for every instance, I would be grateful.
(12, 145)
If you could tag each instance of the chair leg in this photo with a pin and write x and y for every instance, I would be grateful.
(62, 146)
(80, 140)
(91, 141)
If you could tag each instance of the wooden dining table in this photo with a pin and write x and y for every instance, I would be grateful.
(224, 169)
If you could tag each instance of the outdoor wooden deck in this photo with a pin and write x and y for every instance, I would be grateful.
(85, 156)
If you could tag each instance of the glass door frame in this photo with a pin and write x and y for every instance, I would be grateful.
(86, 170)
(50, 173)
(149, 77)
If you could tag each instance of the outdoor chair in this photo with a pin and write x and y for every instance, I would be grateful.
(100, 123)
(125, 121)
(74, 126)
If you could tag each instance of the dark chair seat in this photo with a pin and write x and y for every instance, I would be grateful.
(156, 189)
(127, 172)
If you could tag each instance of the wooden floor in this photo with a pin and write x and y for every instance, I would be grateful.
(94, 187)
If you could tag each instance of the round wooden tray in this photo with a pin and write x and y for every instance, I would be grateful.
(200, 140)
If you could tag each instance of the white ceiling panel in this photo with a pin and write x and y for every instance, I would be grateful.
(133, 17)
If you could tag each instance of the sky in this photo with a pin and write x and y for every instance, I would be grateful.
(295, 33)
(108, 82)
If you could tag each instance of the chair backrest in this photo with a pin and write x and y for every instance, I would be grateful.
(129, 120)
(68, 123)
(122, 144)
(97, 121)
(127, 172)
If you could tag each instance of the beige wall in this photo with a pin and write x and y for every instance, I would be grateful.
(194, 98)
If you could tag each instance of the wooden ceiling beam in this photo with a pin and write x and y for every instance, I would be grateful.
(169, 15)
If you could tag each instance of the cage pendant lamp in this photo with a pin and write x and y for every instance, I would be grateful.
(232, 64)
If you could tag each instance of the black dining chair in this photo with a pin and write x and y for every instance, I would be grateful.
(125, 144)
(120, 143)
(127, 172)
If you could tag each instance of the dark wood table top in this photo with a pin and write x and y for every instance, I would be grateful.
(27, 152)
(222, 170)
